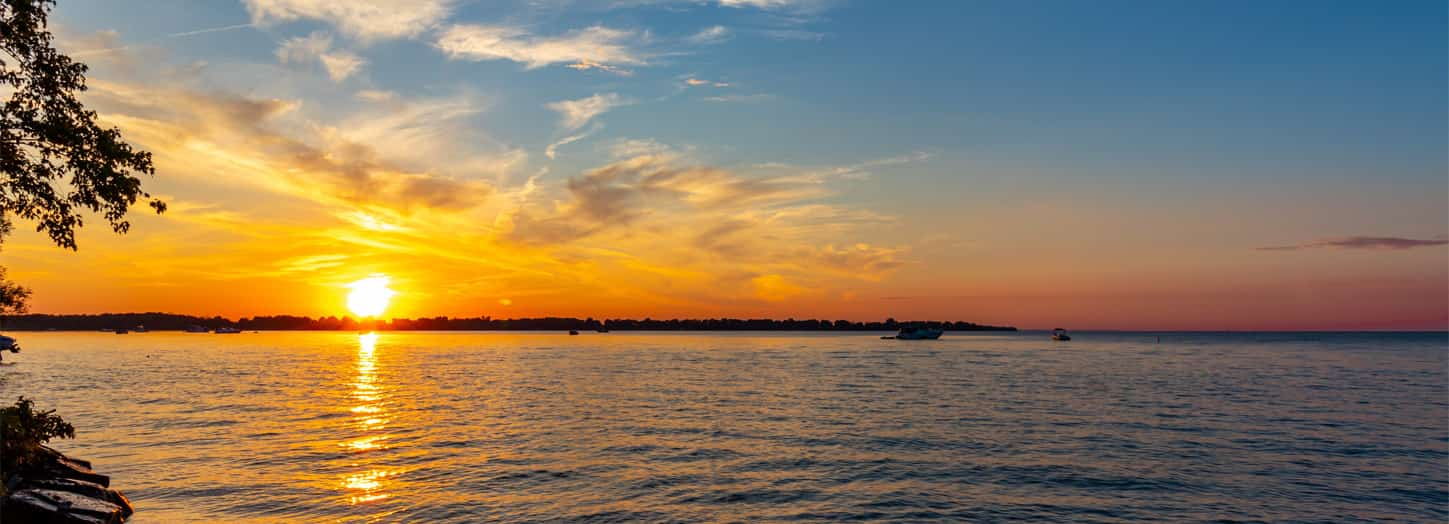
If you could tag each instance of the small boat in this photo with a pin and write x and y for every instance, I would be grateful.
(227, 331)
(1060, 334)
(573, 332)
(140, 328)
(196, 329)
(9, 344)
(121, 331)
(916, 333)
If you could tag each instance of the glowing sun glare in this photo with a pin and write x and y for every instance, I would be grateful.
(370, 296)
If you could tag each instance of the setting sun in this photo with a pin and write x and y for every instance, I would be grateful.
(370, 296)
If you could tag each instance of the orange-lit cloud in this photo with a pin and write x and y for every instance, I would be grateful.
(593, 46)
(1362, 243)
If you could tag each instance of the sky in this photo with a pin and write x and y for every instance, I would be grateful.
(1112, 165)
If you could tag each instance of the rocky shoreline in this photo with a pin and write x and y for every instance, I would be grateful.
(62, 490)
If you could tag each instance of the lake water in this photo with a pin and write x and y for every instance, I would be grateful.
(465, 427)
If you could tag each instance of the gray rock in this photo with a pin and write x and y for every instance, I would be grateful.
(88, 489)
(67, 469)
(43, 505)
(56, 454)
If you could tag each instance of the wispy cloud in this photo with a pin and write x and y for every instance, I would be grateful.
(585, 65)
(1383, 243)
(772, 4)
(575, 114)
(863, 169)
(616, 194)
(375, 95)
(361, 19)
(632, 147)
(707, 229)
(692, 81)
(590, 47)
(757, 97)
(108, 40)
(210, 30)
(552, 150)
(710, 35)
(317, 47)
(789, 6)
(383, 159)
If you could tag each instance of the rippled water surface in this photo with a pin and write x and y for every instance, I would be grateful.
(463, 427)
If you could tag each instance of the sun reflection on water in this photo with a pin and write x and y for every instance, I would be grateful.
(370, 417)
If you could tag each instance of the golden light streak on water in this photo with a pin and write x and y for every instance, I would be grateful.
(370, 416)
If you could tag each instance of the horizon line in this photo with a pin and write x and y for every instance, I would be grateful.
(389, 320)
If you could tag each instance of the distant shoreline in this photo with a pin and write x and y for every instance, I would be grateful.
(174, 322)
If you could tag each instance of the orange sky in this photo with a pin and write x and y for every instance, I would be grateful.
(297, 158)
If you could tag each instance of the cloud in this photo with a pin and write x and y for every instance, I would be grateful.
(725, 99)
(710, 35)
(364, 20)
(435, 134)
(590, 47)
(862, 169)
(1381, 243)
(871, 259)
(619, 193)
(266, 143)
(585, 65)
(693, 82)
(304, 49)
(210, 30)
(575, 114)
(341, 64)
(375, 95)
(317, 47)
(688, 233)
(552, 150)
(106, 42)
(628, 148)
(771, 4)
(796, 6)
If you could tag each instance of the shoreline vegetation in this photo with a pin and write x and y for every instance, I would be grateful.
(41, 484)
(175, 322)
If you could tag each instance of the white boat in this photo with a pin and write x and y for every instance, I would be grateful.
(917, 333)
(227, 330)
(1060, 334)
(196, 329)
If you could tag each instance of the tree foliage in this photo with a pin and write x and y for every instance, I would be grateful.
(168, 321)
(23, 430)
(57, 162)
(14, 297)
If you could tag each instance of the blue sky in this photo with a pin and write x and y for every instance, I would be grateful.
(1245, 79)
(943, 136)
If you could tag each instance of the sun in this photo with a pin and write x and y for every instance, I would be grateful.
(369, 297)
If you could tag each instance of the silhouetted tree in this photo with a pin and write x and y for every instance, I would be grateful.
(49, 140)
(168, 321)
(26, 431)
(13, 296)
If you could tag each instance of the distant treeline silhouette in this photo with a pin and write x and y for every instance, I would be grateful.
(173, 322)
